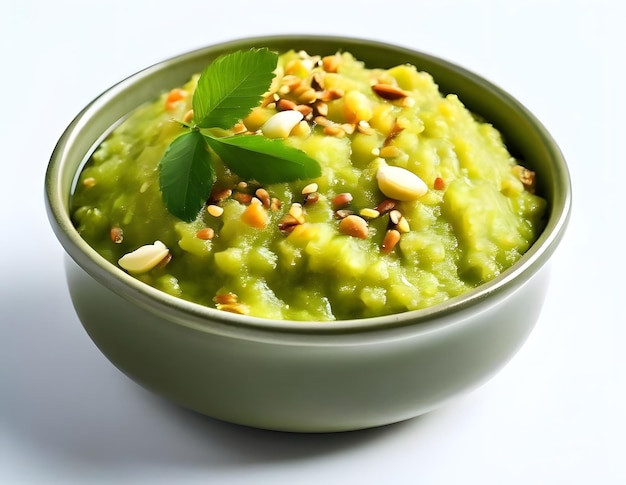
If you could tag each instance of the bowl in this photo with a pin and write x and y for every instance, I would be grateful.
(307, 376)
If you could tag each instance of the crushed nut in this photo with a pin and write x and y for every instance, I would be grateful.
(205, 234)
(281, 124)
(310, 188)
(403, 225)
(264, 196)
(389, 91)
(117, 235)
(144, 258)
(392, 237)
(331, 63)
(243, 198)
(296, 212)
(275, 204)
(354, 226)
(386, 206)
(334, 130)
(342, 199)
(215, 210)
(343, 213)
(238, 308)
(399, 183)
(287, 224)
(220, 194)
(395, 215)
(229, 302)
(225, 298)
(284, 104)
(311, 198)
(364, 127)
(526, 176)
(368, 213)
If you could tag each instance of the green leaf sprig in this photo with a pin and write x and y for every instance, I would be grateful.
(227, 90)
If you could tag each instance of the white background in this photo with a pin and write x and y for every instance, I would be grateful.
(555, 415)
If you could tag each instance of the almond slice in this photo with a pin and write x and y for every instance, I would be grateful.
(144, 258)
(389, 92)
(399, 183)
(281, 124)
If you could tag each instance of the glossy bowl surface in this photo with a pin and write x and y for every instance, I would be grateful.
(307, 376)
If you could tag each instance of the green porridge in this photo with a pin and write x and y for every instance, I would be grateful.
(418, 200)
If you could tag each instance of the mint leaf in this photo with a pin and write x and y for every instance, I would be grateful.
(186, 175)
(226, 92)
(254, 157)
(231, 86)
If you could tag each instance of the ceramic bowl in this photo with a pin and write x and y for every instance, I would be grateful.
(307, 376)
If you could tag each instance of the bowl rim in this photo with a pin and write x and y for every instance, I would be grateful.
(209, 319)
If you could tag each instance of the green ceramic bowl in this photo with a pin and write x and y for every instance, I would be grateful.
(307, 376)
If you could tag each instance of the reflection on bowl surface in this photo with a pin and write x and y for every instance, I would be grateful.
(308, 375)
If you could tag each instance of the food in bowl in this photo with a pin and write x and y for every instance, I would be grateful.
(417, 200)
(307, 375)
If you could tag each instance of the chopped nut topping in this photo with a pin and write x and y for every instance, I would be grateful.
(281, 124)
(342, 199)
(305, 109)
(242, 197)
(144, 258)
(389, 91)
(275, 204)
(287, 224)
(310, 188)
(403, 225)
(386, 206)
(395, 131)
(263, 196)
(225, 298)
(526, 176)
(369, 213)
(284, 104)
(354, 226)
(392, 237)
(320, 109)
(399, 183)
(296, 212)
(330, 94)
(364, 127)
(220, 194)
(331, 63)
(117, 235)
(215, 210)
(311, 198)
(205, 234)
(343, 213)
(229, 302)
(238, 308)
(334, 130)
(394, 216)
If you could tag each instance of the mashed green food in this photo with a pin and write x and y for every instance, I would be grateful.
(334, 247)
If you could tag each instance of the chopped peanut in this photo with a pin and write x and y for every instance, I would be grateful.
(353, 225)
